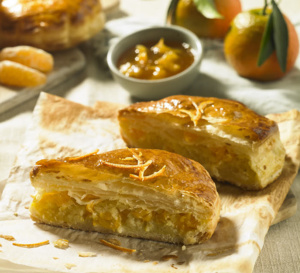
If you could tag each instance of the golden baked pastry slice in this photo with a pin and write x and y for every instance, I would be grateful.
(231, 141)
(142, 193)
(50, 25)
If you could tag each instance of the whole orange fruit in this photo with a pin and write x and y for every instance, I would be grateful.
(242, 44)
(189, 17)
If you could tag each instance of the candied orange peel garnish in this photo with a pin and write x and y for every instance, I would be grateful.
(117, 247)
(8, 237)
(124, 166)
(136, 156)
(142, 167)
(129, 158)
(199, 110)
(148, 177)
(32, 245)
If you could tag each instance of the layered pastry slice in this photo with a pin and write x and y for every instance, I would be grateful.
(141, 193)
(50, 25)
(231, 141)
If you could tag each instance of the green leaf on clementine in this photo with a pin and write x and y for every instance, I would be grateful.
(267, 45)
(281, 37)
(208, 9)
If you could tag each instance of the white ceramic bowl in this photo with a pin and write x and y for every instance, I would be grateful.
(155, 89)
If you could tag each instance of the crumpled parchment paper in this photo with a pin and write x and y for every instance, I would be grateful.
(63, 128)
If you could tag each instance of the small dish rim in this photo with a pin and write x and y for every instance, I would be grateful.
(197, 52)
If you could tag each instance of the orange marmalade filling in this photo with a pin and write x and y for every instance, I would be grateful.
(59, 207)
(158, 61)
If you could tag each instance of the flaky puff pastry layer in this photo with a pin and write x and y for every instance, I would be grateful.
(51, 25)
(141, 193)
(231, 141)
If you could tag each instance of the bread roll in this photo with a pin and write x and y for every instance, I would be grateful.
(141, 193)
(50, 25)
(231, 141)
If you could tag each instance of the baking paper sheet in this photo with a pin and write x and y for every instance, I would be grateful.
(62, 128)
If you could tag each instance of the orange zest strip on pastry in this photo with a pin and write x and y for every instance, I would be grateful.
(120, 248)
(142, 167)
(187, 112)
(198, 113)
(135, 156)
(142, 171)
(199, 110)
(148, 177)
(83, 156)
(8, 237)
(129, 158)
(139, 166)
(32, 245)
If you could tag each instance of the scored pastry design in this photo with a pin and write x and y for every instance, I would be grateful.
(231, 141)
(151, 194)
(50, 25)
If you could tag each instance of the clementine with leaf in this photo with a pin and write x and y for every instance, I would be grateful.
(207, 18)
(262, 44)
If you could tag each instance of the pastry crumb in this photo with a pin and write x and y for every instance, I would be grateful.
(69, 266)
(61, 243)
(16, 214)
(87, 254)
(26, 207)
(55, 258)
(8, 237)
(183, 248)
(155, 263)
(32, 245)
(181, 263)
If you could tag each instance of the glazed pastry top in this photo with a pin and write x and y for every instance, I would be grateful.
(230, 116)
(154, 169)
(50, 9)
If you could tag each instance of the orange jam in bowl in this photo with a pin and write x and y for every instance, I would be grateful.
(156, 62)
(152, 61)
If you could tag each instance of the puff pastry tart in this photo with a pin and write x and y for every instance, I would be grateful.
(142, 193)
(231, 141)
(50, 25)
